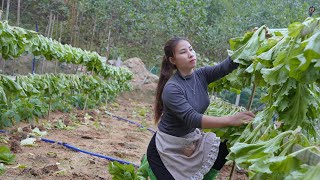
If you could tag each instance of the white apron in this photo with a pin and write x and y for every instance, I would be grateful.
(190, 156)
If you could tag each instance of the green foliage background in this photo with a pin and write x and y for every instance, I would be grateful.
(140, 28)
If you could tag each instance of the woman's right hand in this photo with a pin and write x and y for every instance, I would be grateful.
(238, 119)
(242, 118)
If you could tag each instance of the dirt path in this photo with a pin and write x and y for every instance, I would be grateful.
(94, 131)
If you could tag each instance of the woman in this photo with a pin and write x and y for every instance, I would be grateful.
(179, 150)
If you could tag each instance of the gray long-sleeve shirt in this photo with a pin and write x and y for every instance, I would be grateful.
(185, 99)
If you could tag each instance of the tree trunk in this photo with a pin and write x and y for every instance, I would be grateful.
(50, 36)
(108, 46)
(2, 6)
(44, 62)
(50, 22)
(60, 31)
(93, 32)
(46, 31)
(59, 39)
(57, 31)
(8, 7)
(51, 32)
(76, 33)
(18, 14)
(72, 21)
(18, 24)
(100, 41)
(79, 31)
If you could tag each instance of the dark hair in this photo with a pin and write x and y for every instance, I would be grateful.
(166, 72)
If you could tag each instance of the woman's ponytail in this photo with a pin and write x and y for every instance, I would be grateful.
(167, 69)
(166, 72)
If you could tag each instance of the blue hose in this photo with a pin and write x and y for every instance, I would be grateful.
(95, 154)
(132, 122)
(83, 151)
(87, 152)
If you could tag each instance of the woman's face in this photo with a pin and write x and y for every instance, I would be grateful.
(184, 57)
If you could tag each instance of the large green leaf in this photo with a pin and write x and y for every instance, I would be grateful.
(313, 173)
(3, 96)
(11, 87)
(276, 75)
(5, 155)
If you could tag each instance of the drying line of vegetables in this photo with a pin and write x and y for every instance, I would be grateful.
(16, 41)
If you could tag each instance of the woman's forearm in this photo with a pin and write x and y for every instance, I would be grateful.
(238, 119)
(215, 122)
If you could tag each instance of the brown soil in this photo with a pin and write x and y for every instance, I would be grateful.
(94, 131)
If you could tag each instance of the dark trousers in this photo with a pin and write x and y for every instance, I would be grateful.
(161, 172)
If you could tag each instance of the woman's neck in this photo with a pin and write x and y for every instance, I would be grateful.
(185, 73)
